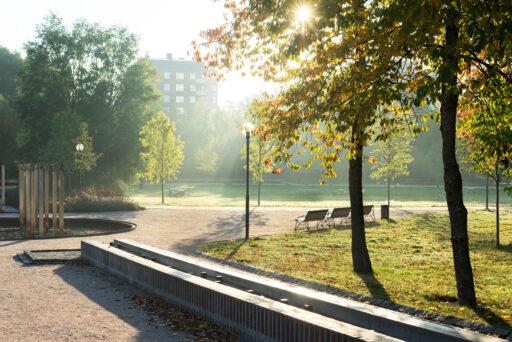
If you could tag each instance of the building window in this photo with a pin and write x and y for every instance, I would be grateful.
(180, 99)
(180, 110)
(192, 99)
(167, 99)
(192, 87)
(167, 87)
(192, 76)
(180, 76)
(167, 75)
(180, 87)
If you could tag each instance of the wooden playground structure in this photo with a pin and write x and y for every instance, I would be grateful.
(41, 199)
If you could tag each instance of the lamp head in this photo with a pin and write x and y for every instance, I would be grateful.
(79, 147)
(247, 128)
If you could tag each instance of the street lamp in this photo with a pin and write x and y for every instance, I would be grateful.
(80, 148)
(247, 128)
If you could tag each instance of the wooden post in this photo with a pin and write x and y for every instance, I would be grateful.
(3, 185)
(54, 199)
(21, 195)
(40, 200)
(33, 199)
(26, 171)
(61, 200)
(46, 196)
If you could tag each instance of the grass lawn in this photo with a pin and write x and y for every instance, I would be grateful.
(412, 260)
(304, 195)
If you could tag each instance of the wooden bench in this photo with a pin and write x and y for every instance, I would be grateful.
(317, 216)
(368, 211)
(342, 213)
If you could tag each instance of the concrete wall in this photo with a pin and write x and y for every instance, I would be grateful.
(251, 317)
(384, 321)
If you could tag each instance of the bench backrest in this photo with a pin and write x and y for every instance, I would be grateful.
(316, 215)
(340, 213)
(367, 209)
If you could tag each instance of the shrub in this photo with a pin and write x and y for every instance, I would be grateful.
(99, 198)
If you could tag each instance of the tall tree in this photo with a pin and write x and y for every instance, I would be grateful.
(91, 71)
(486, 136)
(10, 64)
(392, 158)
(85, 157)
(162, 151)
(259, 161)
(416, 50)
(322, 68)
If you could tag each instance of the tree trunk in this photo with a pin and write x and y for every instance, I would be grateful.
(452, 178)
(497, 207)
(259, 192)
(260, 173)
(487, 193)
(162, 183)
(360, 256)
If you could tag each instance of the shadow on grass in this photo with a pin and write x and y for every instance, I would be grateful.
(374, 286)
(235, 249)
(482, 311)
(490, 245)
(491, 318)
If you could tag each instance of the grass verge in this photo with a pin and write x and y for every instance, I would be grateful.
(412, 260)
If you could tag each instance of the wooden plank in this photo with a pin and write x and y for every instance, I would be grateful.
(21, 195)
(27, 198)
(46, 196)
(61, 200)
(3, 185)
(33, 199)
(54, 198)
(40, 201)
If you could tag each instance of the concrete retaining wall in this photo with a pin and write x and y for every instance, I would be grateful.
(384, 321)
(251, 317)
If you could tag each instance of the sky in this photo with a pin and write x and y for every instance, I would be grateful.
(163, 26)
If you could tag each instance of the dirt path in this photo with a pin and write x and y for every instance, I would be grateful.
(74, 303)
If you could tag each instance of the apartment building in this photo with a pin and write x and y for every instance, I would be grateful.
(183, 86)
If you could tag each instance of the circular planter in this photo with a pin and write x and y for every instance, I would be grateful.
(10, 228)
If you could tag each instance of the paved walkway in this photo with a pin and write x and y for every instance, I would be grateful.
(73, 303)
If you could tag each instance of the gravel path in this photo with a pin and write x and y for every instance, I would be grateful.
(80, 303)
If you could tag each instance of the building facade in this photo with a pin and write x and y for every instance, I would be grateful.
(183, 86)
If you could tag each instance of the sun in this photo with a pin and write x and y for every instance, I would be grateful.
(303, 14)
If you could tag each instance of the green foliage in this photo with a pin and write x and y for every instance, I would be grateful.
(85, 160)
(485, 144)
(162, 151)
(260, 154)
(60, 147)
(206, 159)
(10, 64)
(392, 156)
(8, 127)
(92, 72)
(97, 199)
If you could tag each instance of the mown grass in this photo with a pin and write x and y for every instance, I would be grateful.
(411, 257)
(304, 195)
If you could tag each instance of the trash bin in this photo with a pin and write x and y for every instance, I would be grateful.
(384, 212)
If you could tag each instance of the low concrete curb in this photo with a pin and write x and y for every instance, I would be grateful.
(251, 317)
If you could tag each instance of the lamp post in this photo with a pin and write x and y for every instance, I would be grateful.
(247, 128)
(80, 149)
